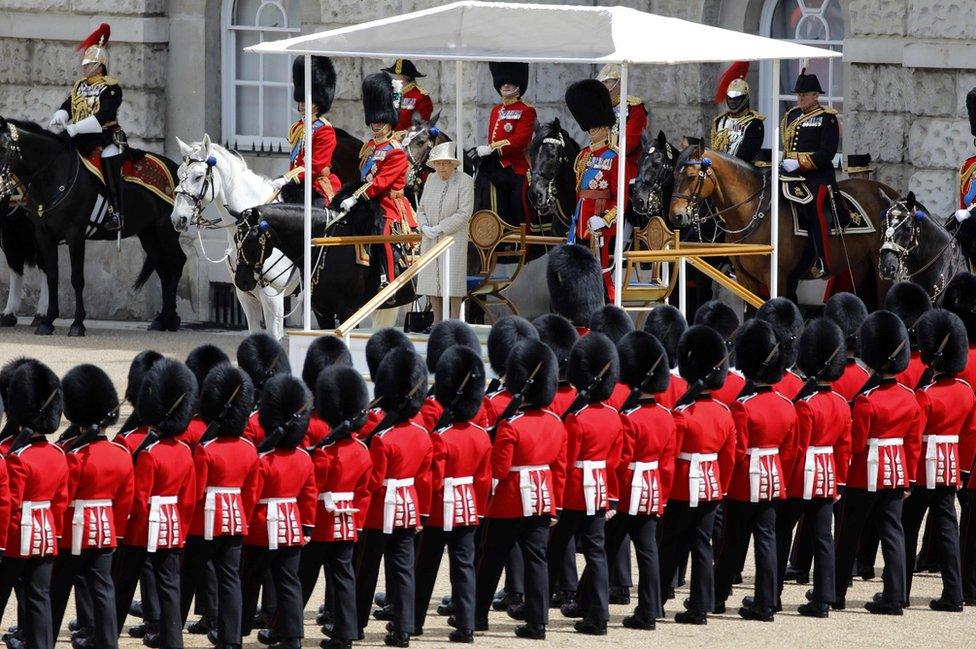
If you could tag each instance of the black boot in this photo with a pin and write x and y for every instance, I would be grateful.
(814, 609)
(112, 168)
(531, 631)
(202, 626)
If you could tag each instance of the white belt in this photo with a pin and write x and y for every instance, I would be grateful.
(754, 469)
(27, 522)
(450, 497)
(874, 443)
(810, 467)
(637, 483)
(525, 485)
(932, 443)
(274, 518)
(330, 498)
(155, 506)
(210, 507)
(589, 468)
(78, 520)
(695, 473)
(389, 501)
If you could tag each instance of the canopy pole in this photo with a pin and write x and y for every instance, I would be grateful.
(459, 154)
(618, 245)
(774, 185)
(307, 257)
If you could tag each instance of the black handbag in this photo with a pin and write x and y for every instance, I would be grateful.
(418, 321)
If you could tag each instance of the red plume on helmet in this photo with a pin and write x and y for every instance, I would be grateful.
(95, 38)
(738, 70)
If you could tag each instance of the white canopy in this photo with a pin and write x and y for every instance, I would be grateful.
(483, 31)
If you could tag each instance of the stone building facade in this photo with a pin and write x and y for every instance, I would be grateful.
(901, 87)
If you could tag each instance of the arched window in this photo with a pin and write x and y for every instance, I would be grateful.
(256, 88)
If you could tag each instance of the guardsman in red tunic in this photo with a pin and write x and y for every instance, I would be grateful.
(261, 357)
(378, 346)
(967, 181)
(99, 495)
(848, 312)
(500, 185)
(559, 335)
(400, 479)
(594, 222)
(201, 360)
(38, 476)
(164, 497)
(415, 103)
(324, 352)
(279, 508)
(443, 336)
(785, 318)
(460, 484)
(614, 323)
(528, 460)
(609, 76)
(886, 440)
(909, 301)
(342, 468)
(766, 429)
(668, 324)
(325, 183)
(223, 459)
(702, 472)
(823, 452)
(723, 319)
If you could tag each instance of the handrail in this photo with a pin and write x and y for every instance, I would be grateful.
(536, 239)
(390, 289)
(366, 239)
(713, 250)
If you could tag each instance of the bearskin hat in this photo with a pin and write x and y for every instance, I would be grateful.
(848, 312)
(203, 359)
(908, 301)
(971, 109)
(589, 356)
(262, 357)
(881, 334)
(341, 395)
(323, 81)
(504, 335)
(383, 342)
(509, 72)
(590, 104)
(34, 398)
(227, 394)
(611, 321)
(397, 380)
(960, 298)
(821, 338)
(455, 365)
(639, 352)
(140, 365)
(323, 352)
(759, 354)
(168, 397)
(522, 362)
(700, 351)
(719, 316)
(378, 105)
(943, 341)
(667, 324)
(807, 83)
(560, 335)
(444, 335)
(7, 374)
(90, 398)
(287, 405)
(787, 322)
(575, 283)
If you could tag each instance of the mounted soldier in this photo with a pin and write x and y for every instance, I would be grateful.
(738, 131)
(415, 103)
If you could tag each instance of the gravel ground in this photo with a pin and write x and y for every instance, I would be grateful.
(113, 346)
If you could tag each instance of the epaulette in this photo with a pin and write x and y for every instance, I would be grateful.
(212, 440)
(906, 387)
(246, 440)
(481, 428)
(581, 160)
(110, 81)
(607, 405)
(757, 115)
(362, 151)
(121, 447)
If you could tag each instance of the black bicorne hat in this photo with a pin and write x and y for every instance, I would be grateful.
(286, 404)
(525, 358)
(90, 398)
(700, 351)
(960, 298)
(34, 398)
(559, 334)
(759, 354)
(323, 352)
(323, 81)
(507, 332)
(848, 312)
(404, 67)
(446, 334)
(589, 356)
(807, 83)
(611, 321)
(590, 104)
(378, 104)
(460, 366)
(382, 343)
(884, 343)
(168, 397)
(227, 394)
(340, 395)
(514, 73)
(639, 352)
(575, 283)
(667, 324)
(397, 380)
(820, 339)
(942, 341)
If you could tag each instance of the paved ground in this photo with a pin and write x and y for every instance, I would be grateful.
(114, 347)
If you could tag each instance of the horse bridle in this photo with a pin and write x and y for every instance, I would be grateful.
(902, 252)
(695, 199)
(7, 187)
(265, 237)
(550, 202)
(417, 164)
(656, 182)
(199, 201)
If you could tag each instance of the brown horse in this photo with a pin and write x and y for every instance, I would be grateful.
(741, 194)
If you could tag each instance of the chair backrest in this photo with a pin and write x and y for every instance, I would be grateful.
(496, 242)
(653, 284)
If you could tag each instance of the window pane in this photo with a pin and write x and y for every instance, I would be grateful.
(276, 105)
(274, 66)
(247, 62)
(246, 11)
(294, 13)
(271, 15)
(247, 111)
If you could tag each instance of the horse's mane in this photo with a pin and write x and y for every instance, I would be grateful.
(691, 154)
(236, 170)
(551, 129)
(32, 127)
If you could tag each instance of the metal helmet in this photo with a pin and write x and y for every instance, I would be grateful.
(737, 96)
(95, 47)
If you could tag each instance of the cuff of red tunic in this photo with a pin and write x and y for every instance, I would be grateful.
(307, 530)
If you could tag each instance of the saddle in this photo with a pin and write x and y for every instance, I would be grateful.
(140, 167)
(850, 221)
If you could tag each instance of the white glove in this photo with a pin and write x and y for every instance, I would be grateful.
(59, 121)
(348, 204)
(596, 223)
(484, 150)
(963, 214)
(430, 231)
(278, 183)
(790, 165)
(71, 129)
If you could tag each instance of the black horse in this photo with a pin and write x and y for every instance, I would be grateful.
(65, 203)
(650, 195)
(552, 184)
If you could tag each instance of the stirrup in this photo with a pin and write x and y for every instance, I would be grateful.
(818, 269)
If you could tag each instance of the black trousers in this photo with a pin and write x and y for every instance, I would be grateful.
(165, 566)
(816, 515)
(223, 555)
(94, 569)
(941, 506)
(515, 571)
(282, 564)
(531, 534)
(35, 609)
(742, 520)
(501, 190)
(882, 509)
(340, 582)
(642, 530)
(147, 593)
(83, 602)
(397, 549)
(563, 577)
(689, 527)
(591, 533)
(619, 562)
(460, 552)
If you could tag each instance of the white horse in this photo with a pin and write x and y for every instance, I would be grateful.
(212, 174)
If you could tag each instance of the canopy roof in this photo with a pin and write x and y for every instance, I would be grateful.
(496, 31)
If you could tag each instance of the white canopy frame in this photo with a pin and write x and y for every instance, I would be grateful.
(471, 30)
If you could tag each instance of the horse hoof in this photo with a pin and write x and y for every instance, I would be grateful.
(165, 323)
(38, 319)
(8, 320)
(44, 329)
(76, 331)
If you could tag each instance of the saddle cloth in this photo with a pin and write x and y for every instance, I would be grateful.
(797, 195)
(142, 168)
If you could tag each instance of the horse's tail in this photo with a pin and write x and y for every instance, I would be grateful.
(148, 268)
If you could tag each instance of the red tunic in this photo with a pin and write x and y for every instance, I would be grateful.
(948, 409)
(913, 373)
(165, 482)
(676, 389)
(280, 487)
(620, 393)
(131, 439)
(383, 169)
(222, 464)
(636, 125)
(823, 449)
(790, 385)
(413, 99)
(565, 395)
(593, 436)
(494, 405)
(511, 126)
(100, 489)
(765, 424)
(326, 183)
(852, 380)
(707, 433)
(317, 431)
(4, 504)
(649, 435)
(432, 410)
(400, 478)
(967, 442)
(461, 457)
(254, 431)
(887, 412)
(193, 433)
(342, 477)
(38, 480)
(729, 392)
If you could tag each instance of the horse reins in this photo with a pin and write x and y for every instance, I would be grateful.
(695, 200)
(903, 252)
(8, 189)
(550, 202)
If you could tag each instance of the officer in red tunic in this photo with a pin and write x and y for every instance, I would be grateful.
(909, 301)
(415, 103)
(885, 445)
(848, 312)
(575, 284)
(723, 319)
(784, 316)
(164, 497)
(279, 507)
(528, 460)
(822, 455)
(325, 351)
(325, 183)
(668, 325)
(99, 493)
(444, 335)
(261, 357)
(609, 76)
(702, 472)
